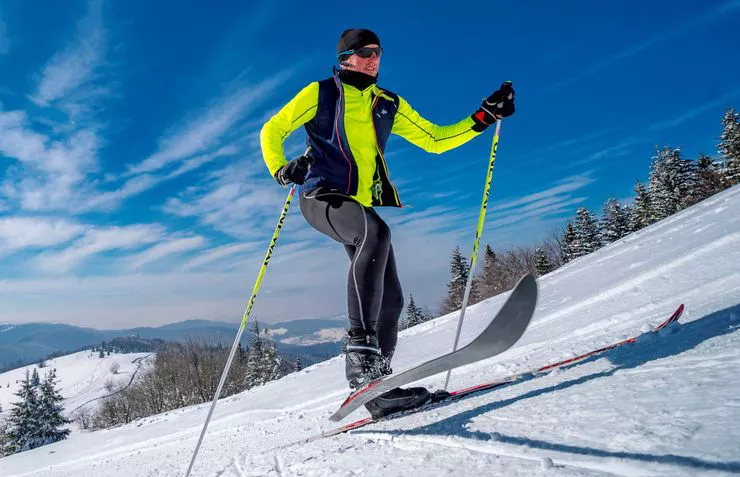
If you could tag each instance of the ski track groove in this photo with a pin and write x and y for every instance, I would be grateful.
(472, 445)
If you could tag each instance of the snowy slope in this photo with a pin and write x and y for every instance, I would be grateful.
(668, 405)
(81, 378)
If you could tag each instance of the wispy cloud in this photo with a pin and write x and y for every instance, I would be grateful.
(108, 200)
(696, 111)
(217, 253)
(197, 161)
(162, 250)
(706, 18)
(539, 210)
(205, 131)
(66, 75)
(611, 152)
(18, 233)
(234, 199)
(96, 241)
(4, 39)
(569, 184)
(574, 146)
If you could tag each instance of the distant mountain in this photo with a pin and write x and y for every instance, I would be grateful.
(312, 340)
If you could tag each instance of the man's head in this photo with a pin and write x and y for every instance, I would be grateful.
(359, 50)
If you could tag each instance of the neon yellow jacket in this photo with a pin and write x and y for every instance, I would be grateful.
(347, 129)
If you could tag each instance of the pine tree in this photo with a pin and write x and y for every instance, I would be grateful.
(569, 243)
(271, 360)
(298, 365)
(253, 374)
(615, 221)
(729, 148)
(456, 287)
(241, 354)
(263, 360)
(102, 353)
(23, 431)
(414, 315)
(642, 212)
(709, 179)
(587, 234)
(542, 263)
(587, 226)
(50, 411)
(35, 380)
(672, 181)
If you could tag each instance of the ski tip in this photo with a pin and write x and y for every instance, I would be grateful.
(527, 285)
(528, 279)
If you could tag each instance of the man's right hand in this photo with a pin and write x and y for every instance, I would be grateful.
(294, 171)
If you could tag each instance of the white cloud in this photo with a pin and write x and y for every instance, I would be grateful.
(76, 66)
(25, 232)
(51, 173)
(97, 241)
(19, 142)
(161, 250)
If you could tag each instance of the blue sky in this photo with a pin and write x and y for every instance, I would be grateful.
(133, 190)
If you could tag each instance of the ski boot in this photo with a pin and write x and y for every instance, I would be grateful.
(362, 358)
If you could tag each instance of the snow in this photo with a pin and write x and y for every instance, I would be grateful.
(81, 377)
(667, 405)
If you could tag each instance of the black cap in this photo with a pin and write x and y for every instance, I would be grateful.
(356, 38)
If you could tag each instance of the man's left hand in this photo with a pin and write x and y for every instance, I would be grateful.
(498, 105)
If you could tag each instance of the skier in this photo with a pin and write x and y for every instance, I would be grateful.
(348, 119)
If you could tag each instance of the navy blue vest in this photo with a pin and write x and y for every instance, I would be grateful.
(334, 166)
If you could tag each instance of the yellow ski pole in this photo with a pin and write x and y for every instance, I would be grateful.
(476, 243)
(244, 323)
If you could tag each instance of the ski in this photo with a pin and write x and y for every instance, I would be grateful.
(509, 379)
(502, 333)
(461, 393)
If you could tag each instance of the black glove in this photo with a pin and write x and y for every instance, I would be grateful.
(499, 105)
(294, 171)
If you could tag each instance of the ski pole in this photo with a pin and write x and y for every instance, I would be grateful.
(478, 233)
(244, 323)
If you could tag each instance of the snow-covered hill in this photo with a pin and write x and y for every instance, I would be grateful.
(82, 378)
(665, 406)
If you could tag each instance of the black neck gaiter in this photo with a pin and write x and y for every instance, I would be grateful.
(357, 79)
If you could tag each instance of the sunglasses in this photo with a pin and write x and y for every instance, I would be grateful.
(364, 52)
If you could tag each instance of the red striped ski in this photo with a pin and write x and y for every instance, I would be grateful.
(460, 393)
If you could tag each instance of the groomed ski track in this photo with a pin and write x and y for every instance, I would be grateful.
(667, 405)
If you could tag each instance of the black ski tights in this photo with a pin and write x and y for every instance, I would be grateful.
(374, 295)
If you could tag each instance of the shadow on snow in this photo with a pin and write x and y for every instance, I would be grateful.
(673, 340)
